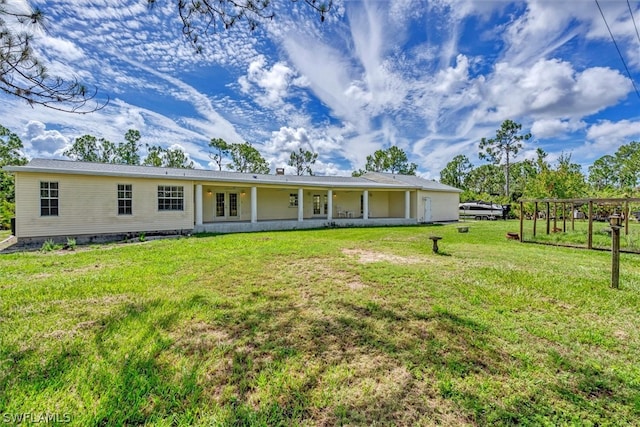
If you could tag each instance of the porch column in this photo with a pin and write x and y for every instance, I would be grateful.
(254, 204)
(329, 205)
(300, 204)
(199, 204)
(407, 204)
(365, 204)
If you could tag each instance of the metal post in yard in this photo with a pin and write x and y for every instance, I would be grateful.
(615, 222)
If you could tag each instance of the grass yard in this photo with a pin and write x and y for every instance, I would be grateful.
(325, 327)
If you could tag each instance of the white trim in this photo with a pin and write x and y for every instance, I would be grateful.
(300, 204)
(254, 205)
(199, 204)
(407, 204)
(365, 204)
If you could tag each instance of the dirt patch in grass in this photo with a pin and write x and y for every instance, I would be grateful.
(367, 257)
(199, 338)
(317, 269)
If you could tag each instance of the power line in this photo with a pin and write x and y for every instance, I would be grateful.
(634, 20)
(618, 49)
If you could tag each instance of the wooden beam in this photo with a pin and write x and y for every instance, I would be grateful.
(573, 217)
(548, 218)
(590, 232)
(521, 221)
(626, 218)
(535, 218)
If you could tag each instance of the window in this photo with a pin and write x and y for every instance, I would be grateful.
(49, 199)
(316, 204)
(125, 199)
(233, 204)
(219, 204)
(170, 198)
(293, 200)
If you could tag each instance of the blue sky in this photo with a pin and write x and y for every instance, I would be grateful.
(432, 77)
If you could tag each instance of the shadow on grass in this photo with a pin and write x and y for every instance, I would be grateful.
(264, 358)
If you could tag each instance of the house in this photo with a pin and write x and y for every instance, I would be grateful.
(100, 201)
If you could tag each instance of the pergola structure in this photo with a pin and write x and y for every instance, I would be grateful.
(544, 206)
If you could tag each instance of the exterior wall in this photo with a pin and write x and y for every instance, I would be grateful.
(347, 200)
(444, 206)
(209, 202)
(396, 204)
(274, 203)
(89, 205)
(379, 204)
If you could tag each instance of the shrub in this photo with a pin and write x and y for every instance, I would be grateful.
(48, 246)
(71, 243)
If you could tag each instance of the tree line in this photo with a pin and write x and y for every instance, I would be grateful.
(504, 180)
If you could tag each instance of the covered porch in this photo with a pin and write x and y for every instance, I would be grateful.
(229, 208)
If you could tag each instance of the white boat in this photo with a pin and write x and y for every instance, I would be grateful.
(480, 210)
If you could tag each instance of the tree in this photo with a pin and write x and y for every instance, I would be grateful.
(10, 154)
(200, 18)
(154, 156)
(246, 159)
(167, 157)
(565, 181)
(128, 151)
(506, 145)
(24, 76)
(221, 150)
(628, 164)
(88, 148)
(485, 179)
(603, 174)
(456, 171)
(303, 160)
(177, 158)
(392, 160)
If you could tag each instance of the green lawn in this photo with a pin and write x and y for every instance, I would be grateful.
(324, 327)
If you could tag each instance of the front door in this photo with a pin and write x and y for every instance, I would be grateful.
(427, 209)
(317, 207)
(226, 206)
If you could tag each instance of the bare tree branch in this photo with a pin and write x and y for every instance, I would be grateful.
(202, 17)
(24, 76)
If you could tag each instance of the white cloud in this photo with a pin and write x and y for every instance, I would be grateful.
(549, 128)
(272, 83)
(551, 89)
(608, 135)
(40, 142)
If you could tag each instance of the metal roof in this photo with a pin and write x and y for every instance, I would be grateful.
(411, 180)
(369, 180)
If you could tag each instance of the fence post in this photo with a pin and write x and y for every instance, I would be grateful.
(590, 233)
(548, 218)
(573, 217)
(521, 221)
(626, 218)
(535, 218)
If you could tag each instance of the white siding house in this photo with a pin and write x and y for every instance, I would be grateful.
(87, 201)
